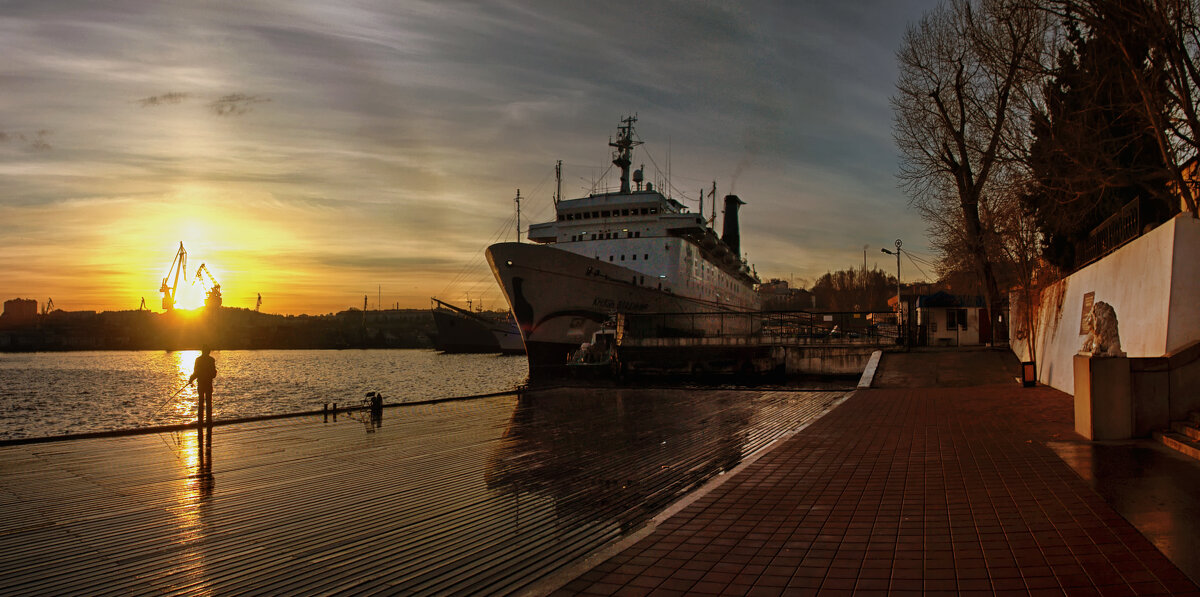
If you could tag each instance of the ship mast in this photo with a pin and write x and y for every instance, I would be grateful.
(557, 182)
(623, 149)
(517, 200)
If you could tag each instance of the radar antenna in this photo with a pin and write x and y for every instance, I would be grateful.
(623, 149)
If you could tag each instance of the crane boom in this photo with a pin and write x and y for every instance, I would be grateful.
(212, 288)
(178, 266)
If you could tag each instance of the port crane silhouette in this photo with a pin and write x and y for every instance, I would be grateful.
(177, 267)
(212, 288)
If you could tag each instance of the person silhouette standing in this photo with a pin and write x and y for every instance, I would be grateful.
(204, 370)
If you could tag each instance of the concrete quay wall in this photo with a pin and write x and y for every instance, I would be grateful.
(1153, 284)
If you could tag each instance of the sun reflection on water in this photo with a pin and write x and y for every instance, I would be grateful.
(184, 406)
(190, 498)
(192, 490)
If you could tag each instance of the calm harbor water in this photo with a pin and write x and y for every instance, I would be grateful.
(48, 394)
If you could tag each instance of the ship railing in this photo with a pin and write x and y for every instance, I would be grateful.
(761, 327)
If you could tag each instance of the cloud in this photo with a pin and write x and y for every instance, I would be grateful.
(399, 131)
(34, 142)
(164, 99)
(235, 104)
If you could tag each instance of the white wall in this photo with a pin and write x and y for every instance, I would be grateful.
(1184, 326)
(1153, 284)
(956, 337)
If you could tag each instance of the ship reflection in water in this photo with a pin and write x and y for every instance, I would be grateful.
(626, 459)
(601, 463)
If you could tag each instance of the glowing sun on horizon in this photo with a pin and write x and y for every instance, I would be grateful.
(189, 296)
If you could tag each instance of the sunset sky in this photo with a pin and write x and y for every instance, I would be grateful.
(319, 151)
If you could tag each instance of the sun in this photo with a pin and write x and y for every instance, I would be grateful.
(189, 296)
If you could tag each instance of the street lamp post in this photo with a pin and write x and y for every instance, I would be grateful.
(899, 305)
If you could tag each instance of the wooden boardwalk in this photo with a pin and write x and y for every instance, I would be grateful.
(475, 497)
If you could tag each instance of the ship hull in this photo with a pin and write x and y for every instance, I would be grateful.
(560, 298)
(459, 334)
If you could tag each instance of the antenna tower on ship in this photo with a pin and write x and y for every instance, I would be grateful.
(518, 202)
(712, 220)
(557, 182)
(623, 149)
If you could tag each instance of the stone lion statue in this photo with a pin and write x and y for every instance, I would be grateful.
(1103, 340)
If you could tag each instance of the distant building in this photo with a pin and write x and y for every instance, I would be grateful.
(944, 319)
(777, 295)
(19, 311)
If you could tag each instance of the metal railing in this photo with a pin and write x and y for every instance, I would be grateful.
(1111, 234)
(790, 327)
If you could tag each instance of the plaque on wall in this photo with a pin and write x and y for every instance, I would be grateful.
(1085, 320)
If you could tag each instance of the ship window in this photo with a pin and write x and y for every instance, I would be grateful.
(642, 279)
(646, 256)
(610, 257)
(624, 212)
(593, 237)
(644, 211)
(561, 217)
(635, 256)
(628, 235)
(622, 257)
(604, 214)
(637, 234)
(653, 210)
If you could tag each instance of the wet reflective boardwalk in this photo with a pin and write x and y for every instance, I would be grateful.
(483, 496)
(943, 482)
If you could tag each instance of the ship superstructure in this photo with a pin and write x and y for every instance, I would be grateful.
(633, 251)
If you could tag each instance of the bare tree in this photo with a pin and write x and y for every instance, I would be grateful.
(1167, 76)
(964, 71)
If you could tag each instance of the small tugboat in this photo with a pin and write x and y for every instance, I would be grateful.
(597, 358)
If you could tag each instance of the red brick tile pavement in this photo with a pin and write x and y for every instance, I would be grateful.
(930, 491)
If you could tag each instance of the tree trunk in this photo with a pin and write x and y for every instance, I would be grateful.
(983, 265)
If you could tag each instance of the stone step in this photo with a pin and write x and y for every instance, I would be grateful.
(1180, 443)
(1188, 428)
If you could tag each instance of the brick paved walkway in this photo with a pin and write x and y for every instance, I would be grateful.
(903, 491)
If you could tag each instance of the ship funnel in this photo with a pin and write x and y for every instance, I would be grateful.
(730, 234)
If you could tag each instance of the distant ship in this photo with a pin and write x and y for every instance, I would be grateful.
(630, 251)
(463, 331)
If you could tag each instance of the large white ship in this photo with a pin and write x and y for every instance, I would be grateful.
(630, 251)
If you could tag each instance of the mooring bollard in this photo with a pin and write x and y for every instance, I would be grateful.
(335, 412)
(325, 411)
